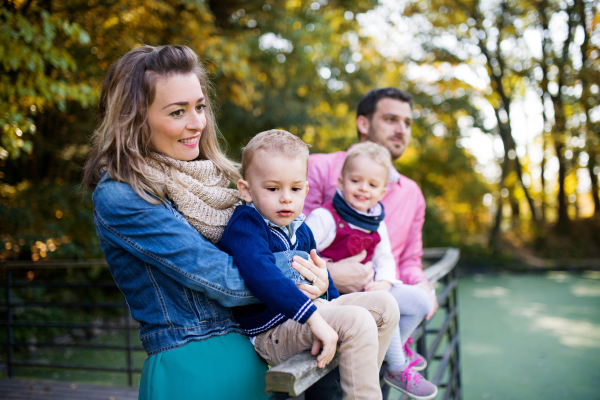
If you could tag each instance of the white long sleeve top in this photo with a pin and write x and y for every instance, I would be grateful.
(324, 229)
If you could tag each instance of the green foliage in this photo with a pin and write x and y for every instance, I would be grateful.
(513, 50)
(38, 73)
(299, 65)
(43, 221)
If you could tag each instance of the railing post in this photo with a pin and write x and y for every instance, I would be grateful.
(128, 345)
(448, 279)
(456, 332)
(9, 318)
(422, 345)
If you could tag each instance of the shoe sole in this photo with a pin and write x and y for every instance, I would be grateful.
(420, 368)
(412, 396)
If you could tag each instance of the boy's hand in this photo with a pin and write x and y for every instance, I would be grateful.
(381, 285)
(323, 335)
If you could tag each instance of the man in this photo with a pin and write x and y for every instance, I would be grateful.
(384, 116)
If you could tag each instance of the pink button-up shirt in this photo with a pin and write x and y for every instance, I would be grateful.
(404, 211)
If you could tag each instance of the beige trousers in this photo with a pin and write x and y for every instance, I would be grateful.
(365, 323)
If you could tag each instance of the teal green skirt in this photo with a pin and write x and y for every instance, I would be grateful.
(222, 367)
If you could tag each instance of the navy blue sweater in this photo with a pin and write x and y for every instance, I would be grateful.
(252, 243)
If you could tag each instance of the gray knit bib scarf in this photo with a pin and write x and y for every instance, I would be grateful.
(199, 191)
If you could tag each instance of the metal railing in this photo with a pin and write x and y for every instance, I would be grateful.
(25, 272)
(439, 345)
(429, 340)
(441, 269)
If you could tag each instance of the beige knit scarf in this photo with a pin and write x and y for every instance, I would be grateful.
(199, 190)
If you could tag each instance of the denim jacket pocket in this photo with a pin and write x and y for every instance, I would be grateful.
(194, 305)
(284, 263)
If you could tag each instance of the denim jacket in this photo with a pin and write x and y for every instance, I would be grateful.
(177, 284)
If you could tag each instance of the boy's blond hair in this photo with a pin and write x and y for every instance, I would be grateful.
(275, 141)
(374, 151)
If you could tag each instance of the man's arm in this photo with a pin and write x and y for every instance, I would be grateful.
(349, 274)
(410, 267)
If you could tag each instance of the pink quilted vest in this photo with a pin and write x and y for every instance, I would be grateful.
(349, 242)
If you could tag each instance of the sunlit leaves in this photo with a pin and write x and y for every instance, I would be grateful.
(38, 73)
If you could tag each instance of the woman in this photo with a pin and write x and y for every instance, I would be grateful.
(155, 116)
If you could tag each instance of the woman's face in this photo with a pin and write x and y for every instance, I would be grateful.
(177, 117)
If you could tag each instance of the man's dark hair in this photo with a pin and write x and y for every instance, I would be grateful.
(368, 103)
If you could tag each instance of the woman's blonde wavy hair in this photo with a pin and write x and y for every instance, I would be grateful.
(122, 140)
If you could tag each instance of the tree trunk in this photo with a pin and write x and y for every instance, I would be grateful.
(563, 223)
(584, 76)
(494, 241)
(593, 176)
(543, 166)
(530, 201)
(504, 91)
(516, 211)
(558, 131)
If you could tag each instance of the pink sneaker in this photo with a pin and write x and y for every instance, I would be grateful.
(411, 383)
(413, 356)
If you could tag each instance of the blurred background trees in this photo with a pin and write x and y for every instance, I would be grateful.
(505, 141)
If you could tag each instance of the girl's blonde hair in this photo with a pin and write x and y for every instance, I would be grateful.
(374, 151)
(122, 140)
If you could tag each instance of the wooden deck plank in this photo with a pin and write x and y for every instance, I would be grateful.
(26, 389)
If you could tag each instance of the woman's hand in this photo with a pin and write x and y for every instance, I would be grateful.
(311, 269)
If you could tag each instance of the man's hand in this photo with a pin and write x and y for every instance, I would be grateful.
(380, 285)
(323, 335)
(350, 275)
(434, 303)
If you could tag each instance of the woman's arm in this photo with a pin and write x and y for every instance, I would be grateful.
(161, 237)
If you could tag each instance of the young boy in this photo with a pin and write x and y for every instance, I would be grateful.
(352, 223)
(274, 166)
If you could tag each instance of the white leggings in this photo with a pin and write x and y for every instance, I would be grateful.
(414, 304)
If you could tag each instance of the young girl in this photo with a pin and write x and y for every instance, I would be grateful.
(352, 223)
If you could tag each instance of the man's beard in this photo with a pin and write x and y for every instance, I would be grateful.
(395, 152)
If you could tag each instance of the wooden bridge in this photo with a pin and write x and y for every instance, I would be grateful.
(288, 380)
(25, 389)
